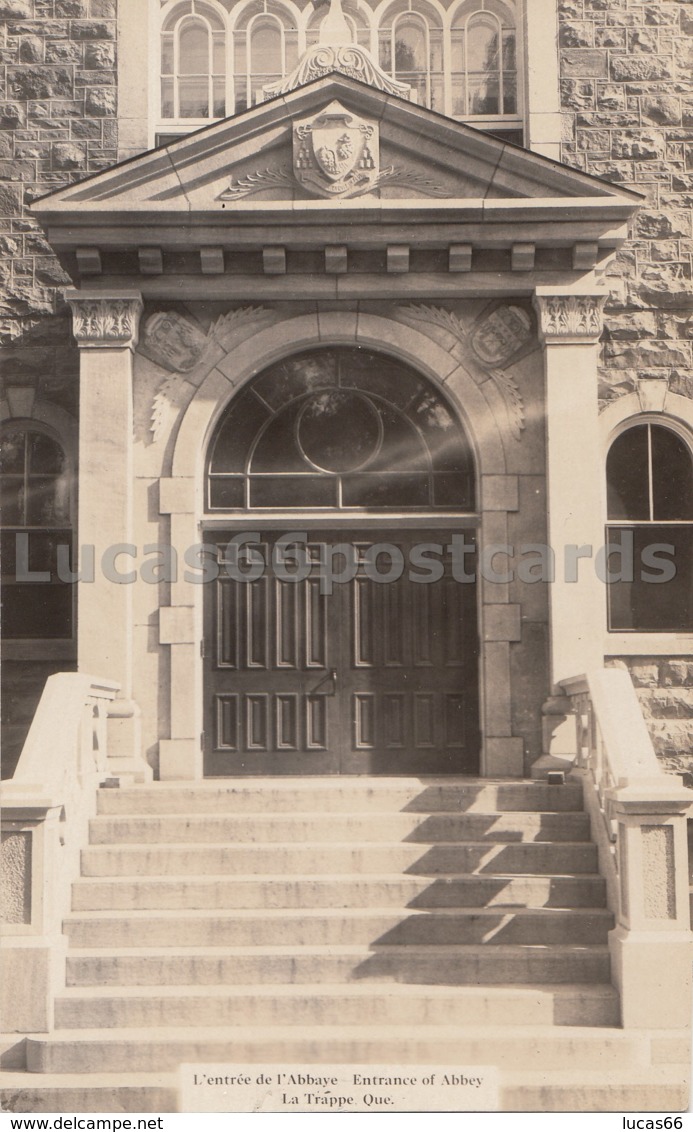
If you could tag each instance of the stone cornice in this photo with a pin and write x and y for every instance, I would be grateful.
(105, 321)
(566, 318)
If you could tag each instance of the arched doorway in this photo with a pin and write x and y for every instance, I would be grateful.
(341, 637)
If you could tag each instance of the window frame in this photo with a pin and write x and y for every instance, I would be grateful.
(172, 26)
(249, 444)
(463, 19)
(59, 426)
(373, 25)
(640, 641)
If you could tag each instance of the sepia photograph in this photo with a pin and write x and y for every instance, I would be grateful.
(347, 557)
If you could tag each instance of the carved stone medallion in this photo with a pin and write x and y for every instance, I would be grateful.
(173, 341)
(500, 334)
(336, 153)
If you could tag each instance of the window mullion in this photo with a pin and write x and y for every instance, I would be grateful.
(447, 68)
(176, 71)
(466, 67)
(650, 477)
(25, 484)
(210, 72)
(501, 92)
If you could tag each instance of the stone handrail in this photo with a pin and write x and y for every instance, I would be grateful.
(638, 814)
(46, 808)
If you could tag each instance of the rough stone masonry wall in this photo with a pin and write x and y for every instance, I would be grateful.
(627, 97)
(57, 123)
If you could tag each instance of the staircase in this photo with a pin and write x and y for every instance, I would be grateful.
(382, 921)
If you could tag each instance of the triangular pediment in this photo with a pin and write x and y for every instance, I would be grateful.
(243, 162)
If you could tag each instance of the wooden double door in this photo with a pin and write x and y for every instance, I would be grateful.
(349, 666)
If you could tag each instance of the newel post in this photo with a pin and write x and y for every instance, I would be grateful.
(651, 945)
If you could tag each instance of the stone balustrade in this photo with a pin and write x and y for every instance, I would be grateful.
(638, 815)
(46, 808)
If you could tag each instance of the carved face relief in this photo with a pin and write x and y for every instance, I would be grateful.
(172, 341)
(500, 334)
(336, 154)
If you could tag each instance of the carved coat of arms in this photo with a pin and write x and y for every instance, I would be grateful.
(336, 154)
(500, 334)
(173, 341)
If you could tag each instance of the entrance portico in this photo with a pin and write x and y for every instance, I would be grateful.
(436, 270)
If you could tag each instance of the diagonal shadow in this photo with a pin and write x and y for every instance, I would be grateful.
(504, 890)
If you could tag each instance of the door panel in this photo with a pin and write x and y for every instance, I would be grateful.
(375, 677)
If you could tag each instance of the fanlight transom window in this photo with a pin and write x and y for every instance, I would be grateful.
(340, 428)
(649, 473)
(461, 61)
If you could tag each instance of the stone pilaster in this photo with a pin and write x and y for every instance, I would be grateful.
(570, 324)
(106, 328)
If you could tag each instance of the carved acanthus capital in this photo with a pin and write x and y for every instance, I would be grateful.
(108, 321)
(569, 318)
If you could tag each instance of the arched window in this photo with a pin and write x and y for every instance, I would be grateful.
(649, 473)
(265, 50)
(411, 50)
(484, 76)
(36, 485)
(340, 428)
(193, 64)
(217, 55)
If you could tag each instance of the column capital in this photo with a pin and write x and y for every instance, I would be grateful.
(569, 317)
(105, 320)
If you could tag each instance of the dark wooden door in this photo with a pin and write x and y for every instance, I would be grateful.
(364, 676)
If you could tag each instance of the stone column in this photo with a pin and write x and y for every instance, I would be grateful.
(106, 328)
(570, 324)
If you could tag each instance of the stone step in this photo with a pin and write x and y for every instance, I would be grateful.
(375, 826)
(342, 794)
(662, 1088)
(539, 1048)
(416, 858)
(337, 891)
(99, 1092)
(465, 965)
(247, 927)
(349, 1005)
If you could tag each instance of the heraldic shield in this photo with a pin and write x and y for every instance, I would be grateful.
(336, 153)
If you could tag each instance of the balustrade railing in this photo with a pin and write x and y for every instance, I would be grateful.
(638, 814)
(46, 808)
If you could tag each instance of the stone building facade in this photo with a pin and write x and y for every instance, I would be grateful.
(626, 114)
(281, 275)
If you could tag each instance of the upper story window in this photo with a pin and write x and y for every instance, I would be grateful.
(36, 485)
(193, 64)
(484, 65)
(649, 473)
(411, 50)
(463, 61)
(265, 42)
